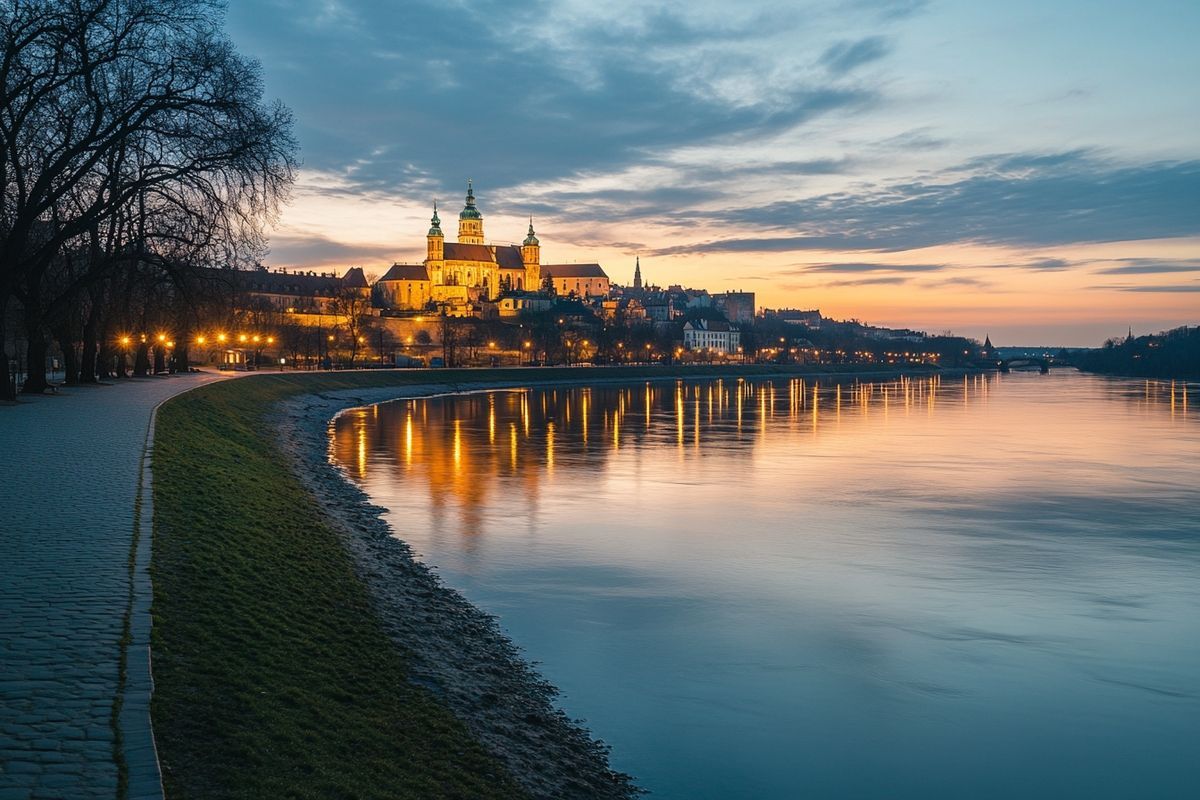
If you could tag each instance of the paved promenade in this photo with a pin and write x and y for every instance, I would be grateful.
(70, 469)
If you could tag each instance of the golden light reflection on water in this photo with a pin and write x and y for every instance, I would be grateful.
(453, 445)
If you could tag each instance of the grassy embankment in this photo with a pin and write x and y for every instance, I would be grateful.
(272, 676)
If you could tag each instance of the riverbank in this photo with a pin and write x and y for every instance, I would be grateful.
(299, 648)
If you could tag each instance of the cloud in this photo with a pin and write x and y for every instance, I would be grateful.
(890, 9)
(838, 267)
(843, 57)
(1151, 266)
(412, 98)
(312, 249)
(961, 280)
(1186, 287)
(891, 280)
(1029, 200)
(1047, 265)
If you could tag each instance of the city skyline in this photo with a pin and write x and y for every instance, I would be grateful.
(1020, 171)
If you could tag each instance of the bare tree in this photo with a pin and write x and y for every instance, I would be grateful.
(132, 133)
(352, 305)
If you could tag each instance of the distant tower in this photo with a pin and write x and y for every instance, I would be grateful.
(435, 248)
(470, 221)
(637, 274)
(988, 350)
(531, 255)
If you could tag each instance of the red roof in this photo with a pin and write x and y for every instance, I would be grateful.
(573, 271)
(505, 256)
(406, 272)
(355, 279)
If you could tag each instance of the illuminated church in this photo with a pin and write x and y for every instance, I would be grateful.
(456, 274)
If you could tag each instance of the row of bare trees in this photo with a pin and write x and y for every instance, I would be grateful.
(137, 149)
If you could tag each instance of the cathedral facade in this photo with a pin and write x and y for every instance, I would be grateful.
(457, 274)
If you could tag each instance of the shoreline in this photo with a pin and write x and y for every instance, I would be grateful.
(456, 650)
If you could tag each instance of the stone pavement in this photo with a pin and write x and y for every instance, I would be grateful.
(70, 475)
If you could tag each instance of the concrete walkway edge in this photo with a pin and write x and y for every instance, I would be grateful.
(137, 730)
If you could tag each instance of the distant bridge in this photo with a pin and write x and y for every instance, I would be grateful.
(1042, 365)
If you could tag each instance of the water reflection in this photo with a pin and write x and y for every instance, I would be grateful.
(981, 586)
(456, 442)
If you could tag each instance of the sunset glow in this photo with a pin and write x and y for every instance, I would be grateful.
(935, 166)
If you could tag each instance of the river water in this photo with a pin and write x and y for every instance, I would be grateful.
(975, 587)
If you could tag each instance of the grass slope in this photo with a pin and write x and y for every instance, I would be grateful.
(272, 678)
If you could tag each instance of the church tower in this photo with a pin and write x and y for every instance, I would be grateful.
(531, 255)
(435, 251)
(470, 221)
(637, 275)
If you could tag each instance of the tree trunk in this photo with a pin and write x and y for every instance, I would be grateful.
(8, 390)
(70, 357)
(104, 361)
(35, 366)
(141, 361)
(35, 352)
(87, 358)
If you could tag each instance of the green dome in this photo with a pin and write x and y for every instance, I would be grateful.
(530, 239)
(470, 211)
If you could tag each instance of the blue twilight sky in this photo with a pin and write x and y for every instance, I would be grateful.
(1027, 169)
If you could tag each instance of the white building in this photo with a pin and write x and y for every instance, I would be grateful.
(717, 336)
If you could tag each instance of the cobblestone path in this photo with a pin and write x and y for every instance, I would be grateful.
(69, 483)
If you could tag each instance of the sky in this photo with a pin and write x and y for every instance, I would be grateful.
(1024, 169)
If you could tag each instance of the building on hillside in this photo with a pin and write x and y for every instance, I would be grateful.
(792, 316)
(298, 292)
(514, 303)
(736, 306)
(462, 274)
(714, 335)
(628, 309)
(404, 286)
(581, 280)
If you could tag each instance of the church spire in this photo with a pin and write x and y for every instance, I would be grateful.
(470, 221)
(637, 273)
(530, 239)
(435, 222)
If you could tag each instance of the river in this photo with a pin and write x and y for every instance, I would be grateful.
(931, 588)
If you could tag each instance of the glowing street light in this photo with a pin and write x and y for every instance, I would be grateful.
(200, 340)
(221, 338)
(270, 340)
(242, 337)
